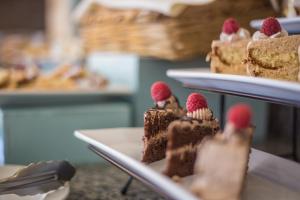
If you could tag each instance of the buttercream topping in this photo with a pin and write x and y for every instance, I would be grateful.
(261, 36)
(170, 103)
(241, 34)
(203, 114)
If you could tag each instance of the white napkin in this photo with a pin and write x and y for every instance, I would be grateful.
(167, 7)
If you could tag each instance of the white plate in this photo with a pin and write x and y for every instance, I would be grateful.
(260, 88)
(8, 170)
(291, 25)
(269, 177)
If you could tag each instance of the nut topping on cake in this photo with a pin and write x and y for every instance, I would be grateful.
(196, 106)
(239, 116)
(270, 29)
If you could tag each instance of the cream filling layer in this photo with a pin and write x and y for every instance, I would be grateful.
(181, 151)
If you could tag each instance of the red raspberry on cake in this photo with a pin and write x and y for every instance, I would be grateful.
(230, 26)
(240, 116)
(270, 26)
(160, 91)
(195, 101)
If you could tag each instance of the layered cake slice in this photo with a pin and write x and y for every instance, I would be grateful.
(273, 54)
(229, 52)
(186, 133)
(157, 120)
(222, 161)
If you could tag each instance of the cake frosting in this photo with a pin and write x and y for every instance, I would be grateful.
(258, 35)
(270, 28)
(202, 114)
(169, 103)
(239, 35)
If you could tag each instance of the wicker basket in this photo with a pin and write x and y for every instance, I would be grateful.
(153, 34)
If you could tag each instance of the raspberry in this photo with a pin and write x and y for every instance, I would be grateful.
(230, 26)
(195, 101)
(160, 91)
(270, 26)
(240, 115)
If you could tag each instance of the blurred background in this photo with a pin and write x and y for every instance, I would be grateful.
(89, 64)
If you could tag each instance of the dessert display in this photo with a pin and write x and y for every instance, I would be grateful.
(186, 133)
(23, 58)
(225, 178)
(64, 77)
(184, 29)
(272, 53)
(229, 52)
(157, 120)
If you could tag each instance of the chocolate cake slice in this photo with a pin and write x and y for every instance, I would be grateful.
(222, 160)
(185, 134)
(157, 120)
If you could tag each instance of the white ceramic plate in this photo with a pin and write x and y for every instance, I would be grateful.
(292, 25)
(260, 88)
(60, 194)
(269, 177)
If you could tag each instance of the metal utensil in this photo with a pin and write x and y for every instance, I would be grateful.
(38, 178)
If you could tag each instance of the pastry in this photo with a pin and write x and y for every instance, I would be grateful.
(157, 120)
(4, 77)
(229, 52)
(272, 53)
(21, 75)
(222, 160)
(186, 133)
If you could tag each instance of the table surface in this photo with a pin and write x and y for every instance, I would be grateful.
(104, 181)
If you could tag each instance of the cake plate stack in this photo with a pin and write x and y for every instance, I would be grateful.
(268, 177)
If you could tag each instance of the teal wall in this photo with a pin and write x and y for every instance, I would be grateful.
(33, 134)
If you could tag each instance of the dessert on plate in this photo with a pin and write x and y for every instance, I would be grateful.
(222, 160)
(4, 77)
(272, 53)
(229, 52)
(157, 120)
(22, 75)
(186, 133)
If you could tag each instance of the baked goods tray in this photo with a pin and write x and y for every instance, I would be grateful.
(275, 91)
(269, 177)
(34, 97)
